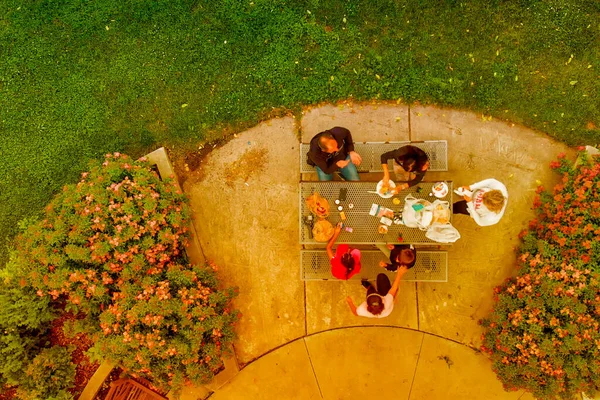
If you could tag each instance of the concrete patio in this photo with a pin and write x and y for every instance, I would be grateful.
(299, 339)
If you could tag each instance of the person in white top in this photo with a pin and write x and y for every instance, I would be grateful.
(380, 301)
(484, 201)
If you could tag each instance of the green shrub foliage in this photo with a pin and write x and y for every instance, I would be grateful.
(543, 334)
(48, 376)
(24, 319)
(112, 247)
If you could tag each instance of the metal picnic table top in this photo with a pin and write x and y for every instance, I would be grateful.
(365, 226)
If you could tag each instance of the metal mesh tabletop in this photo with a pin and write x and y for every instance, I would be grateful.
(365, 226)
(437, 151)
(431, 266)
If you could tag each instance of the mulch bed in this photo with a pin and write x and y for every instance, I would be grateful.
(85, 368)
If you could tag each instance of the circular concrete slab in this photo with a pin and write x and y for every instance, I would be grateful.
(245, 199)
(367, 363)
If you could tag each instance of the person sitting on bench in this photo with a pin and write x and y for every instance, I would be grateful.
(333, 150)
(380, 301)
(401, 255)
(410, 165)
(345, 263)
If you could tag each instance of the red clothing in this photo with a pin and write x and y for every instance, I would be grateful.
(337, 268)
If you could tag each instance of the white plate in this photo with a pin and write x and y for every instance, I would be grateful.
(388, 194)
(440, 190)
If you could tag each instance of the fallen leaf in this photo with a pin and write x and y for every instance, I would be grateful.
(538, 181)
(184, 105)
(572, 83)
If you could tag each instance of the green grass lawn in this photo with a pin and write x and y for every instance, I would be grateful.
(79, 78)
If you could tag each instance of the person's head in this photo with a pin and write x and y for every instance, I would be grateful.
(327, 143)
(375, 304)
(494, 200)
(415, 162)
(407, 257)
(348, 262)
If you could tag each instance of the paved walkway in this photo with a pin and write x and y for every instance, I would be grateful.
(369, 363)
(249, 227)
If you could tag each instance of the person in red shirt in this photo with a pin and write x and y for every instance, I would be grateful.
(345, 263)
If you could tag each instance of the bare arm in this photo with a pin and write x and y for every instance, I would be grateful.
(336, 233)
(394, 290)
(352, 306)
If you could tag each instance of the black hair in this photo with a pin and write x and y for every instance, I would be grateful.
(348, 262)
(409, 163)
(414, 260)
(375, 304)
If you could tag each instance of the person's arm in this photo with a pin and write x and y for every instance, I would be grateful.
(399, 273)
(351, 305)
(491, 184)
(417, 179)
(336, 233)
(346, 136)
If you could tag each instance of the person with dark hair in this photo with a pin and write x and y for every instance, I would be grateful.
(380, 300)
(345, 263)
(410, 165)
(401, 255)
(333, 150)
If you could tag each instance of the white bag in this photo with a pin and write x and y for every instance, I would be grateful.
(442, 233)
(441, 212)
(417, 219)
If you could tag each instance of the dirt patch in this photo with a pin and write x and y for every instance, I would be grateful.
(253, 161)
(187, 162)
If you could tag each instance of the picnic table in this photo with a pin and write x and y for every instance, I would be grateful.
(364, 226)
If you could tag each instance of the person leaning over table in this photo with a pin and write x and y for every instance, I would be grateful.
(345, 263)
(484, 201)
(410, 165)
(333, 150)
(400, 255)
(380, 301)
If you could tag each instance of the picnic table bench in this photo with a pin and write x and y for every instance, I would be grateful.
(364, 226)
(437, 151)
(431, 266)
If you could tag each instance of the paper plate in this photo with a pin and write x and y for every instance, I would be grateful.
(440, 190)
(388, 194)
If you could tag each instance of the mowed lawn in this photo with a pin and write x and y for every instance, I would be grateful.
(79, 78)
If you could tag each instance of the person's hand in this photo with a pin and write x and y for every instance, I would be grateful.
(467, 198)
(338, 228)
(402, 270)
(342, 163)
(390, 246)
(400, 187)
(355, 158)
(465, 188)
(382, 264)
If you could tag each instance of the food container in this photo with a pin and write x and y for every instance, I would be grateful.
(387, 194)
(440, 189)
(386, 221)
(383, 229)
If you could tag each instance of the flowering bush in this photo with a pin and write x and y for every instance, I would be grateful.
(568, 219)
(543, 334)
(112, 247)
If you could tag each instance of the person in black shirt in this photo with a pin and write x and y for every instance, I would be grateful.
(410, 165)
(333, 150)
(401, 255)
